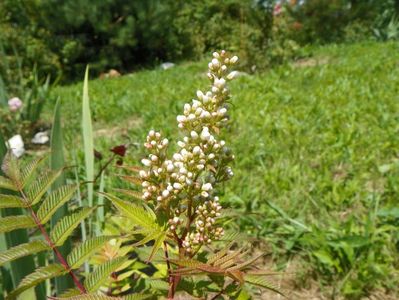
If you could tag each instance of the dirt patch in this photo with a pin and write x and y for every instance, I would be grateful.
(311, 62)
(117, 131)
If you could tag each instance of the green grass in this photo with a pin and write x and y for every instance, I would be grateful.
(317, 163)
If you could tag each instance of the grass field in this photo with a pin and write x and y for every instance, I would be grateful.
(317, 157)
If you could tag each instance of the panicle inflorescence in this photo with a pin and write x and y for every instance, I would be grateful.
(185, 184)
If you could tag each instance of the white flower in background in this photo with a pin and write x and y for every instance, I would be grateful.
(15, 104)
(185, 184)
(16, 144)
(40, 138)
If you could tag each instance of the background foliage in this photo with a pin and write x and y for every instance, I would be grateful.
(62, 37)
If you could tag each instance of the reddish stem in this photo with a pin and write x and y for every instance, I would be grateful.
(171, 290)
(53, 247)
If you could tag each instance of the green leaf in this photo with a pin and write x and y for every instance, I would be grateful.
(29, 170)
(86, 249)
(22, 250)
(66, 225)
(137, 214)
(16, 222)
(137, 297)
(40, 275)
(7, 184)
(157, 244)
(95, 279)
(39, 187)
(54, 201)
(57, 162)
(11, 201)
(71, 292)
(88, 141)
(262, 282)
(92, 297)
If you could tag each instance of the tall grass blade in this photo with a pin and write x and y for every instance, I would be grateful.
(87, 130)
(57, 161)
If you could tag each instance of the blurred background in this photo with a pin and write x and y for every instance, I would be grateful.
(314, 116)
(60, 38)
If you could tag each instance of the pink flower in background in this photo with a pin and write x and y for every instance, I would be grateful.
(14, 104)
(278, 9)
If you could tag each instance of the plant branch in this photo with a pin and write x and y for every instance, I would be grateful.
(170, 276)
(53, 247)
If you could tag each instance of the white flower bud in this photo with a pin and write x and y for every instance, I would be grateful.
(200, 95)
(145, 184)
(143, 174)
(177, 186)
(222, 111)
(181, 119)
(197, 150)
(194, 134)
(146, 162)
(177, 157)
(205, 135)
(215, 63)
(151, 133)
(205, 114)
(165, 193)
(165, 142)
(206, 187)
(181, 144)
(215, 55)
(219, 83)
(232, 75)
(234, 59)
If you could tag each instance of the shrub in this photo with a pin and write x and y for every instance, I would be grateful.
(178, 210)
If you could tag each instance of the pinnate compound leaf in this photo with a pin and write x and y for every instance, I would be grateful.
(38, 276)
(7, 184)
(16, 222)
(11, 201)
(22, 250)
(262, 282)
(137, 297)
(40, 186)
(63, 229)
(134, 212)
(54, 201)
(90, 297)
(86, 249)
(69, 293)
(95, 279)
(157, 244)
(29, 169)
(218, 255)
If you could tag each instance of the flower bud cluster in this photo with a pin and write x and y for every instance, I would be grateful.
(190, 177)
(205, 229)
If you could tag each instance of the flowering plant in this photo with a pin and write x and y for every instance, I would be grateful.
(178, 210)
(181, 192)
